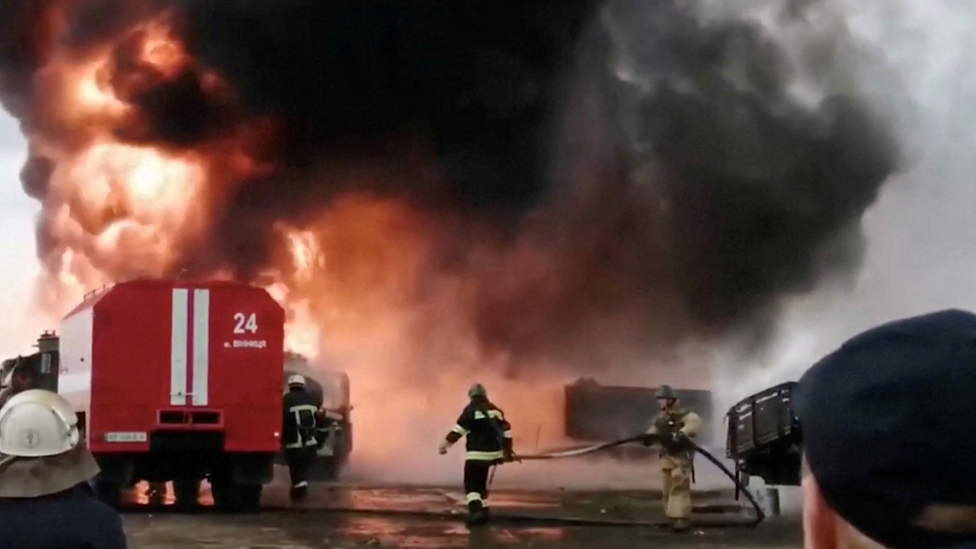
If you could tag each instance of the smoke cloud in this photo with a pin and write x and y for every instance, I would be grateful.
(592, 180)
(515, 192)
(919, 236)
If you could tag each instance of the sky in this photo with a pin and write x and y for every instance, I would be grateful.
(18, 263)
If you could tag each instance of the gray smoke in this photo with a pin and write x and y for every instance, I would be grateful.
(612, 177)
(709, 165)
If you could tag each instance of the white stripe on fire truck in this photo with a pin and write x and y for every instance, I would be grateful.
(178, 337)
(201, 346)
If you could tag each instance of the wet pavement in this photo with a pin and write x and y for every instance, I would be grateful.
(344, 515)
(278, 530)
(638, 507)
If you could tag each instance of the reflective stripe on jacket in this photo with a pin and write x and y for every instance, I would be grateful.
(488, 433)
(300, 420)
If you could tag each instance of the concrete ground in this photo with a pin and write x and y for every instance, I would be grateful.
(428, 517)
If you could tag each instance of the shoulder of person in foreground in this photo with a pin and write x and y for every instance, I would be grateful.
(105, 523)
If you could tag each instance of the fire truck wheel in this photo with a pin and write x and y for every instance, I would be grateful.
(187, 492)
(222, 496)
(249, 498)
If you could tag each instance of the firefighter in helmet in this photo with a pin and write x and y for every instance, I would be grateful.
(300, 423)
(673, 429)
(23, 376)
(489, 442)
(44, 471)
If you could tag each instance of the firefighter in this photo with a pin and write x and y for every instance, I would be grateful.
(489, 442)
(21, 379)
(301, 418)
(672, 429)
(44, 470)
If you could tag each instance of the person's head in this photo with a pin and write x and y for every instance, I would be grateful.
(887, 424)
(41, 450)
(477, 393)
(22, 377)
(666, 398)
(296, 382)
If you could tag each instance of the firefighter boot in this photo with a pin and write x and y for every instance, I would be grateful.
(681, 525)
(299, 491)
(477, 513)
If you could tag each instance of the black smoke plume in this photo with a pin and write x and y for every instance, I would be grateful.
(657, 160)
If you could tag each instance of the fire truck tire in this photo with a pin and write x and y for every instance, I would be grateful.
(187, 492)
(222, 496)
(249, 498)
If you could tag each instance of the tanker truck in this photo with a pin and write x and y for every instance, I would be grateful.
(603, 413)
(331, 390)
(175, 381)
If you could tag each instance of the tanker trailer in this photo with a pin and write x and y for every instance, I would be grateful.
(331, 390)
(603, 413)
(178, 381)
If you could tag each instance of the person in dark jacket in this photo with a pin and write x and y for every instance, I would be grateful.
(45, 502)
(489, 442)
(888, 445)
(302, 416)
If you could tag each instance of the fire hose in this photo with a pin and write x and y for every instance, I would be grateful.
(577, 452)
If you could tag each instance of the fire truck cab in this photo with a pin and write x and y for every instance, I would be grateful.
(177, 381)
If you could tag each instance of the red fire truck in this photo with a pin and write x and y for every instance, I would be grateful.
(177, 381)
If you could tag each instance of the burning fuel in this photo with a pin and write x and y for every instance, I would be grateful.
(446, 190)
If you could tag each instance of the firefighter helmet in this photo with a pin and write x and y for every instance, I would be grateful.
(477, 390)
(296, 380)
(37, 423)
(665, 392)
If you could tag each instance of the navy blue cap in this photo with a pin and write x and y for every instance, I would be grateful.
(889, 426)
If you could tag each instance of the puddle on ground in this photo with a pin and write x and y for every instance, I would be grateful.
(390, 532)
(547, 534)
(495, 534)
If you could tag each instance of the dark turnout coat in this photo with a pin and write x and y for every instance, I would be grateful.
(69, 520)
(489, 435)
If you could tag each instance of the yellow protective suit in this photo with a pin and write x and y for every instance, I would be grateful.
(676, 466)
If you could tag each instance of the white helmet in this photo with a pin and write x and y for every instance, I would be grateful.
(37, 423)
(296, 380)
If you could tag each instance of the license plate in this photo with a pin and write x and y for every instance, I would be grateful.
(125, 437)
